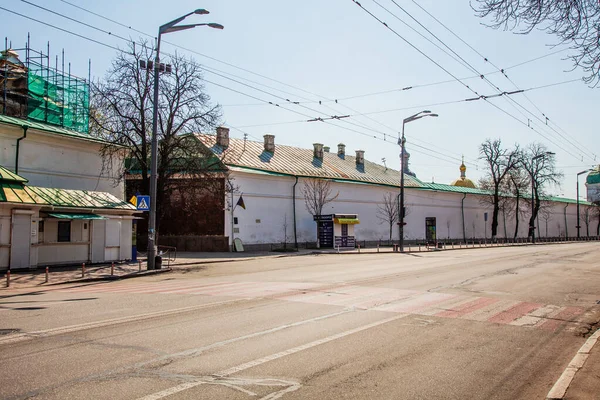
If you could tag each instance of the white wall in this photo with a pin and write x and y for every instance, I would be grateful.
(52, 160)
(268, 201)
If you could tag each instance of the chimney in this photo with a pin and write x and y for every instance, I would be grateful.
(318, 150)
(342, 150)
(223, 136)
(326, 149)
(269, 143)
(360, 157)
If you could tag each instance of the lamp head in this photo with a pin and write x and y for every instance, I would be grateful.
(216, 26)
(201, 11)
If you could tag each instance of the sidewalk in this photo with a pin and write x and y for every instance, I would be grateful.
(586, 384)
(581, 379)
(65, 274)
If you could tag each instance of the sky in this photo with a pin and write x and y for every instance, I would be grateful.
(335, 59)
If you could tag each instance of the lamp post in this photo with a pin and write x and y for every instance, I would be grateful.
(166, 28)
(532, 224)
(402, 142)
(578, 224)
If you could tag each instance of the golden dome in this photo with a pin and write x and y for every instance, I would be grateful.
(463, 181)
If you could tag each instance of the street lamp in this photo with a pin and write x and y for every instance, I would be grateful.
(578, 225)
(166, 28)
(532, 224)
(402, 142)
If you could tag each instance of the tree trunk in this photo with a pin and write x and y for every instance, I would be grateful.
(495, 217)
(517, 217)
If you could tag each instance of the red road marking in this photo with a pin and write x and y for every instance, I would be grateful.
(514, 312)
(467, 308)
(561, 318)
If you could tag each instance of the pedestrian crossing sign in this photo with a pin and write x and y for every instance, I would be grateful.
(142, 203)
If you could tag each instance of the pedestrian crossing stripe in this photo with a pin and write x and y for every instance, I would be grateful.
(445, 305)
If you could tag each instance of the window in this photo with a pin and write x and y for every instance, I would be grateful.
(235, 220)
(344, 229)
(41, 227)
(64, 231)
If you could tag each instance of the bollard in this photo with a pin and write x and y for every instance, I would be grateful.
(139, 266)
(112, 269)
(82, 270)
(46, 274)
(419, 247)
(8, 278)
(359, 249)
(378, 248)
(409, 247)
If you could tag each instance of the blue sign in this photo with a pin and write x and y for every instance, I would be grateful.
(143, 203)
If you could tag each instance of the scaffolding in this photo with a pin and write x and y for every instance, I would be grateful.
(36, 91)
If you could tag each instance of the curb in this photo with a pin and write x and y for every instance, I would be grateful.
(114, 277)
(561, 386)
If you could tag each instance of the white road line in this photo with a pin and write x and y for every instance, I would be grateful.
(188, 385)
(559, 389)
(91, 325)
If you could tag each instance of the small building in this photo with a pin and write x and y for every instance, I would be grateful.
(47, 226)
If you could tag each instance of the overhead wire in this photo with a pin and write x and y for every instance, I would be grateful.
(268, 102)
(210, 70)
(486, 59)
(214, 83)
(447, 71)
(514, 102)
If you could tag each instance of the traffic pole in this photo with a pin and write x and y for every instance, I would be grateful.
(46, 274)
(82, 270)
(8, 278)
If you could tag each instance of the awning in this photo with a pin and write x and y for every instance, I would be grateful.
(348, 221)
(74, 216)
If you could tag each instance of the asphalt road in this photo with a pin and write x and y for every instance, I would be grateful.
(491, 323)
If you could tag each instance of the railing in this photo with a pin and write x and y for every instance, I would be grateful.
(168, 253)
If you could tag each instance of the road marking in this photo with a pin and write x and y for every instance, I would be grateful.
(188, 385)
(482, 309)
(91, 325)
(561, 386)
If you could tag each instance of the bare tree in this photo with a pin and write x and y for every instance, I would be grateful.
(317, 193)
(575, 23)
(546, 213)
(540, 164)
(596, 216)
(499, 164)
(586, 216)
(517, 187)
(121, 114)
(387, 211)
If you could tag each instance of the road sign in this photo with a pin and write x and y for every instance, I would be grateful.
(143, 203)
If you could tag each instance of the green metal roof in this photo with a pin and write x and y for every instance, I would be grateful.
(454, 189)
(9, 176)
(19, 193)
(294, 161)
(48, 128)
(75, 216)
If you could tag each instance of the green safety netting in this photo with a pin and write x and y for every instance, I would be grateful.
(58, 99)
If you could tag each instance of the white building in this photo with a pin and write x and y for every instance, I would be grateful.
(271, 178)
(59, 208)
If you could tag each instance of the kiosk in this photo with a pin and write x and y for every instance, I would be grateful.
(336, 230)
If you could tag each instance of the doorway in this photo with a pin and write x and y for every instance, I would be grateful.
(20, 241)
(430, 229)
